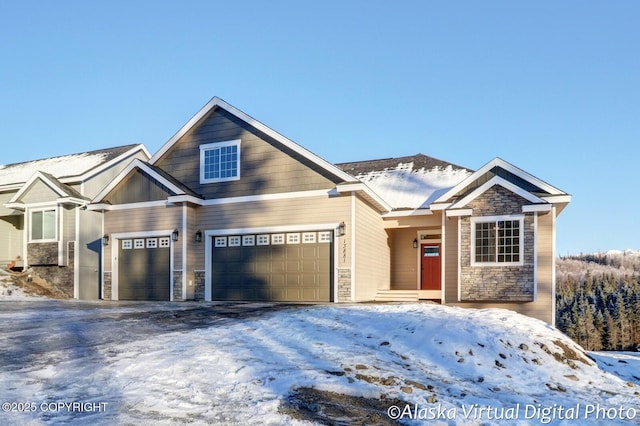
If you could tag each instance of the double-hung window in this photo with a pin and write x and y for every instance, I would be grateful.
(497, 240)
(43, 225)
(220, 161)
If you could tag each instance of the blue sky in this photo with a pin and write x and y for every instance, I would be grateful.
(552, 87)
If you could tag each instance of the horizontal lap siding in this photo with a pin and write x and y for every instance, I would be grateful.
(275, 213)
(372, 265)
(451, 259)
(143, 220)
(404, 274)
(266, 166)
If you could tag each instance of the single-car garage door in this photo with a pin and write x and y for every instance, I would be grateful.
(292, 267)
(144, 269)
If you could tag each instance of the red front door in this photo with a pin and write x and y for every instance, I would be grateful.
(430, 263)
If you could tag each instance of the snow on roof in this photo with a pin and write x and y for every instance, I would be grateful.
(58, 167)
(408, 182)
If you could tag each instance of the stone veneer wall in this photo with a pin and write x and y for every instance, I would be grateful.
(498, 283)
(177, 286)
(60, 277)
(199, 285)
(344, 284)
(106, 290)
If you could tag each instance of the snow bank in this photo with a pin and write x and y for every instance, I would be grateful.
(462, 361)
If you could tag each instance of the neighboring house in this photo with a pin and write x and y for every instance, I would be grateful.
(229, 209)
(44, 222)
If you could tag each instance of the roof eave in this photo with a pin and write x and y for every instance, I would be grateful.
(367, 193)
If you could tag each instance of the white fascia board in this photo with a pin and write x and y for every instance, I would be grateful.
(557, 199)
(217, 102)
(128, 206)
(178, 199)
(496, 180)
(264, 197)
(99, 207)
(15, 206)
(408, 213)
(537, 208)
(72, 200)
(439, 206)
(367, 192)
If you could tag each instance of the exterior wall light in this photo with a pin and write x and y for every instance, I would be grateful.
(198, 236)
(105, 240)
(174, 235)
(415, 243)
(342, 229)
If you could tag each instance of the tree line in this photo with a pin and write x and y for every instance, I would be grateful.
(598, 300)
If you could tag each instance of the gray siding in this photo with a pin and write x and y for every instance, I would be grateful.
(88, 255)
(266, 167)
(138, 187)
(97, 183)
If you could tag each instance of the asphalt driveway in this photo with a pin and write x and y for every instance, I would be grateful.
(40, 332)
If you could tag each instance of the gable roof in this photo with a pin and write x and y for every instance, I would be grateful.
(64, 192)
(215, 103)
(500, 172)
(410, 182)
(177, 188)
(66, 168)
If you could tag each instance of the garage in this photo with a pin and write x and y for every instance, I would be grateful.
(144, 269)
(291, 267)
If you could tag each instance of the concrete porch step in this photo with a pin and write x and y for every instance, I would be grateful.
(397, 296)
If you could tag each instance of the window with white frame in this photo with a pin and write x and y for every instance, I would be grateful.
(220, 161)
(43, 225)
(497, 240)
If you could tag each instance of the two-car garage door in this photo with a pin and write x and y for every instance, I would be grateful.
(273, 267)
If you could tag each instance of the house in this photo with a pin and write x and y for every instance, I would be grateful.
(230, 209)
(44, 221)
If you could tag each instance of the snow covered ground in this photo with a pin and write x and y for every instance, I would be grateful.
(206, 363)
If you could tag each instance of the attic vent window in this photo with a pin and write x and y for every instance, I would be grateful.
(497, 241)
(220, 161)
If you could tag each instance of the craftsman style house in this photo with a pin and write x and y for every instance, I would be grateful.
(44, 223)
(229, 209)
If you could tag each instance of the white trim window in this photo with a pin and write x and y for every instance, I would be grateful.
(44, 225)
(220, 161)
(497, 241)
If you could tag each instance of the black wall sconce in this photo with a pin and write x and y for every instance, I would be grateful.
(174, 235)
(105, 240)
(198, 236)
(415, 243)
(342, 229)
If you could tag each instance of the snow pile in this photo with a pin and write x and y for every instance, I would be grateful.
(404, 187)
(10, 291)
(68, 165)
(459, 366)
